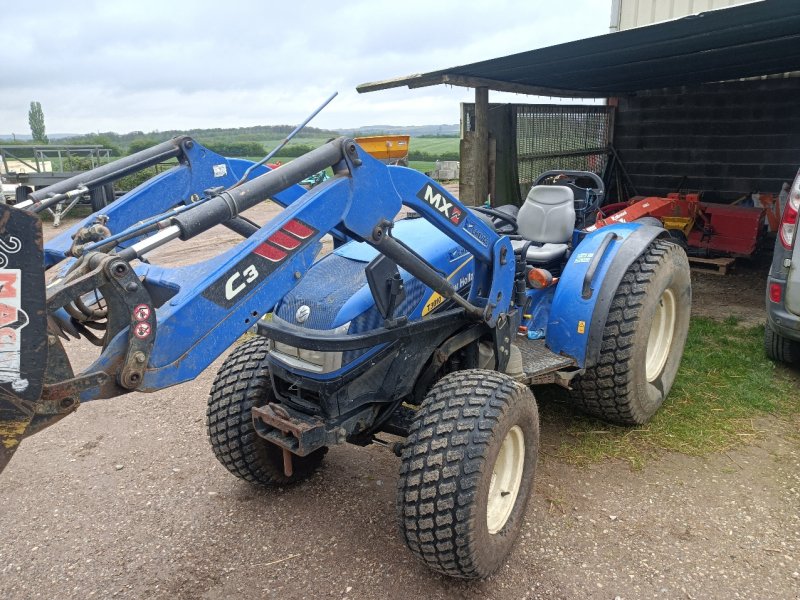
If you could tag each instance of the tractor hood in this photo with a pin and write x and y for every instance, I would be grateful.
(418, 234)
(334, 292)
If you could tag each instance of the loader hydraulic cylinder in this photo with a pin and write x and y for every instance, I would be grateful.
(229, 204)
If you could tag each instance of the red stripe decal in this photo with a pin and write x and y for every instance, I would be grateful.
(286, 242)
(270, 252)
(299, 229)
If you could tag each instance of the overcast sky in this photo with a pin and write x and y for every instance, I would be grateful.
(154, 65)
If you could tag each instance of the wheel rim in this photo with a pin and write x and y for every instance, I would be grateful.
(506, 479)
(659, 341)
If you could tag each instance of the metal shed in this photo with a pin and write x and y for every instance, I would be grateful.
(684, 106)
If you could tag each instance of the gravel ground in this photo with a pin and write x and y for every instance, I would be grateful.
(125, 499)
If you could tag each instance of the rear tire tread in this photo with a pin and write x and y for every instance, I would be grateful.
(605, 391)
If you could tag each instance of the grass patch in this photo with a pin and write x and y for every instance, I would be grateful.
(725, 381)
(423, 166)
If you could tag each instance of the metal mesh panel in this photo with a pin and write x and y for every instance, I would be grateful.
(560, 137)
(556, 136)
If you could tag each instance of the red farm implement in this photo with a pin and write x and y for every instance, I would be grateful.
(706, 229)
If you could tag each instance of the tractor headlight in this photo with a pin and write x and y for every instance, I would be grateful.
(304, 359)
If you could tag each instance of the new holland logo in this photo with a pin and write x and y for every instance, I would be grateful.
(437, 199)
(303, 313)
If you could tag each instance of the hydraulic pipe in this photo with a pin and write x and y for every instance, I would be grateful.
(146, 226)
(223, 207)
(285, 140)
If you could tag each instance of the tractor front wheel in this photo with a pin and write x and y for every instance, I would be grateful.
(643, 339)
(243, 382)
(21, 193)
(97, 198)
(467, 471)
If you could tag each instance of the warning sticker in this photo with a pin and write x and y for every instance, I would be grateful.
(142, 330)
(142, 312)
(12, 321)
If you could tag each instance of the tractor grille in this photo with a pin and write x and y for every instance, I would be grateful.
(342, 277)
(372, 319)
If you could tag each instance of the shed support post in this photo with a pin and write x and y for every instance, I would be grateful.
(480, 149)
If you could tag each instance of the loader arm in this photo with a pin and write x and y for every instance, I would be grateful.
(164, 326)
(198, 171)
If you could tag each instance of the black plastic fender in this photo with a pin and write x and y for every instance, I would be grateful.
(587, 287)
(632, 248)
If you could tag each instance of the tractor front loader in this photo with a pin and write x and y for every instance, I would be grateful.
(431, 328)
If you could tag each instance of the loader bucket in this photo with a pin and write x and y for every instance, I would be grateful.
(23, 326)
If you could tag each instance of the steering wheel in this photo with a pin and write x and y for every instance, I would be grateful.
(509, 222)
(562, 178)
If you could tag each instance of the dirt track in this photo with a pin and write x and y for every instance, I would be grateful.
(124, 499)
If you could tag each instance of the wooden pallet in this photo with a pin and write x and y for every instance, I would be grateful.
(715, 266)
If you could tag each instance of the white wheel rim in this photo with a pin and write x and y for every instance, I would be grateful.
(506, 479)
(659, 341)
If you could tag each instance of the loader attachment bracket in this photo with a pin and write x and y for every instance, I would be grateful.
(23, 325)
(37, 383)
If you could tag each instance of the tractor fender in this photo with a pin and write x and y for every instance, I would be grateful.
(587, 287)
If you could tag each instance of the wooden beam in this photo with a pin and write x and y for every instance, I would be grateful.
(515, 88)
(480, 155)
(421, 80)
(565, 154)
(416, 80)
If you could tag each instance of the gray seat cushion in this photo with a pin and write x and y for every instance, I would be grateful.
(548, 214)
(541, 254)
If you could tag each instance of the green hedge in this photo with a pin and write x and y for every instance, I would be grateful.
(426, 156)
(237, 148)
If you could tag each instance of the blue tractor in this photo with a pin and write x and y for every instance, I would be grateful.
(423, 330)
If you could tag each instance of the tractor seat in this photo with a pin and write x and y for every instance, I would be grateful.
(546, 218)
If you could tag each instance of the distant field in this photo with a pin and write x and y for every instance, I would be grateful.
(432, 146)
(271, 143)
(435, 146)
(423, 166)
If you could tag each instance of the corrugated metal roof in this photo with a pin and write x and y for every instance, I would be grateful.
(762, 38)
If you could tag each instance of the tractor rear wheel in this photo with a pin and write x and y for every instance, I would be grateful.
(780, 348)
(678, 237)
(643, 339)
(467, 472)
(243, 382)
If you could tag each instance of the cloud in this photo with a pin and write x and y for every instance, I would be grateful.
(144, 65)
